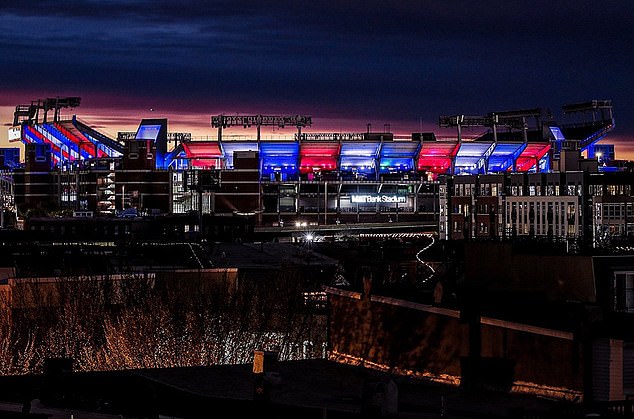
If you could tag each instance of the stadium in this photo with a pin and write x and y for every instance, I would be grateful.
(317, 179)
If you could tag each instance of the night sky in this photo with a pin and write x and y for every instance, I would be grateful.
(345, 63)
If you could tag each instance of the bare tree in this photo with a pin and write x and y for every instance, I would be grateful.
(140, 321)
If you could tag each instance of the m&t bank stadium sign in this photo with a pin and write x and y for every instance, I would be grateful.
(378, 198)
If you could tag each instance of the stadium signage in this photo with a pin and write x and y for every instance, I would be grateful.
(15, 133)
(377, 198)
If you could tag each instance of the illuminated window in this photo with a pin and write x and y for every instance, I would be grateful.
(571, 230)
(570, 190)
(571, 213)
(623, 289)
(596, 190)
(483, 228)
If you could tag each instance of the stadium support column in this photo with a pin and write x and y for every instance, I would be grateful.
(200, 209)
(77, 187)
(418, 188)
(318, 197)
(325, 202)
(279, 209)
(397, 210)
(459, 129)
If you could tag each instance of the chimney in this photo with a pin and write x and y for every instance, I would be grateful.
(264, 362)
(265, 375)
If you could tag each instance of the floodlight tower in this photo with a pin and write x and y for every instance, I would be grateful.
(599, 109)
(515, 120)
(510, 119)
(460, 121)
(57, 103)
(30, 113)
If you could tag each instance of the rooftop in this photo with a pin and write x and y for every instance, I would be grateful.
(311, 388)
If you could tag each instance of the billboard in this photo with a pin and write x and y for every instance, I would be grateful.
(148, 132)
(15, 134)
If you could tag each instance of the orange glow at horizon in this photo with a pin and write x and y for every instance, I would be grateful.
(111, 120)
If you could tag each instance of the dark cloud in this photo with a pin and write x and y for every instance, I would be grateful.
(396, 61)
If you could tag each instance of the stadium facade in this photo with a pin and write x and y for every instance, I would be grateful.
(525, 175)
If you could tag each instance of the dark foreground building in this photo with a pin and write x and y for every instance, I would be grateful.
(527, 317)
(315, 388)
(525, 331)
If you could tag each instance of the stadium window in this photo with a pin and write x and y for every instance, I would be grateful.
(514, 190)
(532, 190)
(570, 190)
(596, 190)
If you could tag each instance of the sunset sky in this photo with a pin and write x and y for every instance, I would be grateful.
(345, 63)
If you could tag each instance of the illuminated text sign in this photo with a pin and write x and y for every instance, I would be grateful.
(378, 198)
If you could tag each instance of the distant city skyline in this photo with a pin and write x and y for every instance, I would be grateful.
(345, 64)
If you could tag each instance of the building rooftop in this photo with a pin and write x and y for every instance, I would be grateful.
(311, 388)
